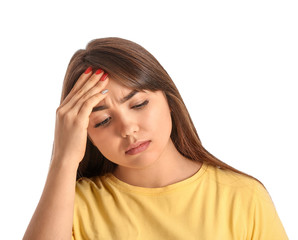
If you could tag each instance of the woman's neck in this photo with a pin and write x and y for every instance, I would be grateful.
(170, 168)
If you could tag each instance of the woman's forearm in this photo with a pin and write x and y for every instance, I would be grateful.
(53, 216)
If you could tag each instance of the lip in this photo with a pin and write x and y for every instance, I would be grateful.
(137, 147)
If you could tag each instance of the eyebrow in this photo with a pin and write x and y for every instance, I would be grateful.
(123, 100)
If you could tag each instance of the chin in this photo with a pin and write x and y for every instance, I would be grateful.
(140, 162)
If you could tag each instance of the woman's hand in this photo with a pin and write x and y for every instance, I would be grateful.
(53, 216)
(72, 116)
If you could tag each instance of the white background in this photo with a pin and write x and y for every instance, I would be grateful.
(234, 62)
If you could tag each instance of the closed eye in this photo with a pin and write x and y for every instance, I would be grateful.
(103, 123)
(107, 120)
(141, 105)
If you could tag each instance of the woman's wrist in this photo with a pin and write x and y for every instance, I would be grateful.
(66, 163)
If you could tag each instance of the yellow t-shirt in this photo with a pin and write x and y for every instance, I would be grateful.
(211, 204)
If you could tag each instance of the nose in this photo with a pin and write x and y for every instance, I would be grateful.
(128, 126)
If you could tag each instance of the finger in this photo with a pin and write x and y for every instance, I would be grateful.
(91, 82)
(79, 83)
(97, 89)
(87, 106)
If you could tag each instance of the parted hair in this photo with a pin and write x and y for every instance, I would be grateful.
(134, 67)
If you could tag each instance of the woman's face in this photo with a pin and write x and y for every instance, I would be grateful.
(125, 119)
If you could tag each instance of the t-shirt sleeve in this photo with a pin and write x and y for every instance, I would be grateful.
(266, 222)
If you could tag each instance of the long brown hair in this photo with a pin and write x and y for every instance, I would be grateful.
(134, 67)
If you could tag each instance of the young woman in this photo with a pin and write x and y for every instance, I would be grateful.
(127, 161)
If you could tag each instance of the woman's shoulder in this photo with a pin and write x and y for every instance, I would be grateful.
(231, 181)
(248, 196)
(90, 189)
(85, 184)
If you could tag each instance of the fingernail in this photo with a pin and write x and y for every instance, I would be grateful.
(104, 91)
(99, 71)
(103, 77)
(88, 70)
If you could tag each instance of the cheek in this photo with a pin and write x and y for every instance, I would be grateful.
(103, 140)
(109, 147)
(158, 120)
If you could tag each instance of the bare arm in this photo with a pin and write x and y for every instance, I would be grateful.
(53, 216)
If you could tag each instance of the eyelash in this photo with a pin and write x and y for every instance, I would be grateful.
(107, 120)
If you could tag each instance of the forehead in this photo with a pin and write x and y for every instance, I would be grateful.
(116, 92)
(116, 89)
